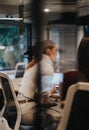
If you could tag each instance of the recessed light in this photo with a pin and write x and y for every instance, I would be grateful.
(46, 10)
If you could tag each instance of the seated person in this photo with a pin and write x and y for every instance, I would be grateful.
(70, 77)
(28, 86)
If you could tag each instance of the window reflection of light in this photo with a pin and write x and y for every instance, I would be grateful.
(10, 48)
(2, 47)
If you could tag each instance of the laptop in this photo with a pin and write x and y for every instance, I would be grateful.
(48, 82)
(57, 79)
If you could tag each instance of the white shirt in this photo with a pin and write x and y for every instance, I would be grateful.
(28, 86)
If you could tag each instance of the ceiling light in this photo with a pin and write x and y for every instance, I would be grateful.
(46, 10)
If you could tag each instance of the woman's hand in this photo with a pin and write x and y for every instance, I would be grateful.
(53, 90)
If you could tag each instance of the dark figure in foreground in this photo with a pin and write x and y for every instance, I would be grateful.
(83, 57)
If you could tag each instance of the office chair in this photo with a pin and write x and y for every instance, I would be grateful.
(11, 110)
(19, 70)
(4, 124)
(10, 101)
(76, 110)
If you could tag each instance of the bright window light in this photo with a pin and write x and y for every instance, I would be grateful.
(2, 47)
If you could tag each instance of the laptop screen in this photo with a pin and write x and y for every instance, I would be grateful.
(49, 81)
(57, 78)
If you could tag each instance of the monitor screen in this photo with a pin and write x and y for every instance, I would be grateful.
(52, 80)
(57, 78)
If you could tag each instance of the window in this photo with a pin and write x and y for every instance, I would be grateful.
(12, 46)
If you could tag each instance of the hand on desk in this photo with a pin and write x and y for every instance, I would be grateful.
(53, 90)
(55, 95)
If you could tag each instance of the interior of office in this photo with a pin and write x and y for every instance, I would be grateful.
(64, 21)
(17, 31)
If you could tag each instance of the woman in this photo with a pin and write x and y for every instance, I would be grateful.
(28, 87)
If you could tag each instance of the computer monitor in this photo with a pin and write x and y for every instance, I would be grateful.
(49, 81)
(57, 79)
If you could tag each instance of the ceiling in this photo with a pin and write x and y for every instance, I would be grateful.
(10, 7)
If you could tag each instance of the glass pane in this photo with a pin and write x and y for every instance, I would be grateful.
(12, 46)
(65, 38)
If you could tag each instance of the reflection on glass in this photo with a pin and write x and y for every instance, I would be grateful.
(11, 46)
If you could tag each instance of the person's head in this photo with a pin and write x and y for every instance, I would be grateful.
(50, 49)
(47, 47)
(83, 57)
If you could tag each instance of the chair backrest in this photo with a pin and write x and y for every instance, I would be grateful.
(19, 69)
(11, 105)
(4, 124)
(76, 110)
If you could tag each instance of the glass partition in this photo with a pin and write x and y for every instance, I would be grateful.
(65, 36)
(12, 46)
